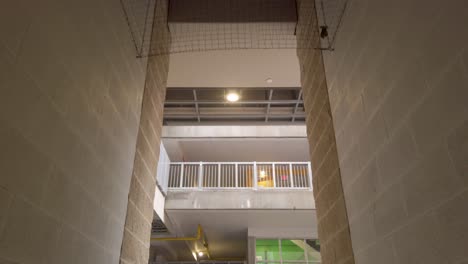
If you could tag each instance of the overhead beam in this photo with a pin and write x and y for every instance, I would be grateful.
(265, 102)
(214, 116)
(236, 131)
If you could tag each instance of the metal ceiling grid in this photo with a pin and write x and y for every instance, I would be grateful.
(256, 105)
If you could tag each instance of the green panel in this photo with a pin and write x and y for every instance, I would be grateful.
(293, 250)
(267, 250)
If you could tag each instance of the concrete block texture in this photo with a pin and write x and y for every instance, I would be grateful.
(404, 167)
(137, 235)
(332, 217)
(71, 92)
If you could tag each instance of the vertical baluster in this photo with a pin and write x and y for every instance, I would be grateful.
(280, 172)
(279, 175)
(189, 174)
(185, 176)
(291, 175)
(170, 176)
(305, 175)
(219, 175)
(200, 175)
(309, 175)
(274, 175)
(298, 169)
(286, 181)
(236, 169)
(207, 175)
(246, 176)
(243, 177)
(239, 175)
(222, 176)
(208, 178)
(295, 176)
(181, 175)
(304, 178)
(233, 176)
(175, 177)
(211, 176)
(194, 174)
(189, 179)
(255, 175)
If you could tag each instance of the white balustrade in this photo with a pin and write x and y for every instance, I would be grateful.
(240, 175)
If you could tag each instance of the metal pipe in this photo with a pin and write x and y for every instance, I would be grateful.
(200, 236)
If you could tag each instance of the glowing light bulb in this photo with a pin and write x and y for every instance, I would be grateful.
(232, 97)
(262, 174)
(200, 254)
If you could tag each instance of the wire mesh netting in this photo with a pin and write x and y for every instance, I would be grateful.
(173, 26)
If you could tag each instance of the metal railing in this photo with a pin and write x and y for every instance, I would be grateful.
(202, 262)
(240, 175)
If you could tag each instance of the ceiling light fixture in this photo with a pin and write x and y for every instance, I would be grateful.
(269, 80)
(232, 96)
(200, 254)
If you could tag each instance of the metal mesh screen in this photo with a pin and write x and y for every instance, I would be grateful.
(157, 29)
(330, 15)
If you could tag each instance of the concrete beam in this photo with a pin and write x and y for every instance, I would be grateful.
(294, 131)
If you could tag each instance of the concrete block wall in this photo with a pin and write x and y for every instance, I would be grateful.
(70, 101)
(140, 210)
(136, 242)
(398, 89)
(332, 219)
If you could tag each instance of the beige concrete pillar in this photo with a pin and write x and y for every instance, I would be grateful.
(137, 233)
(333, 226)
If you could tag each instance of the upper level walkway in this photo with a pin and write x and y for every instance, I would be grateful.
(239, 175)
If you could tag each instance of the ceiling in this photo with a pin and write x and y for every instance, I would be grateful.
(235, 68)
(256, 105)
(226, 230)
(237, 149)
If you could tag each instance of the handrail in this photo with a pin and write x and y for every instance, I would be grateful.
(240, 175)
(242, 162)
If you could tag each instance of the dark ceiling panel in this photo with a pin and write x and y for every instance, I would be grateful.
(256, 105)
